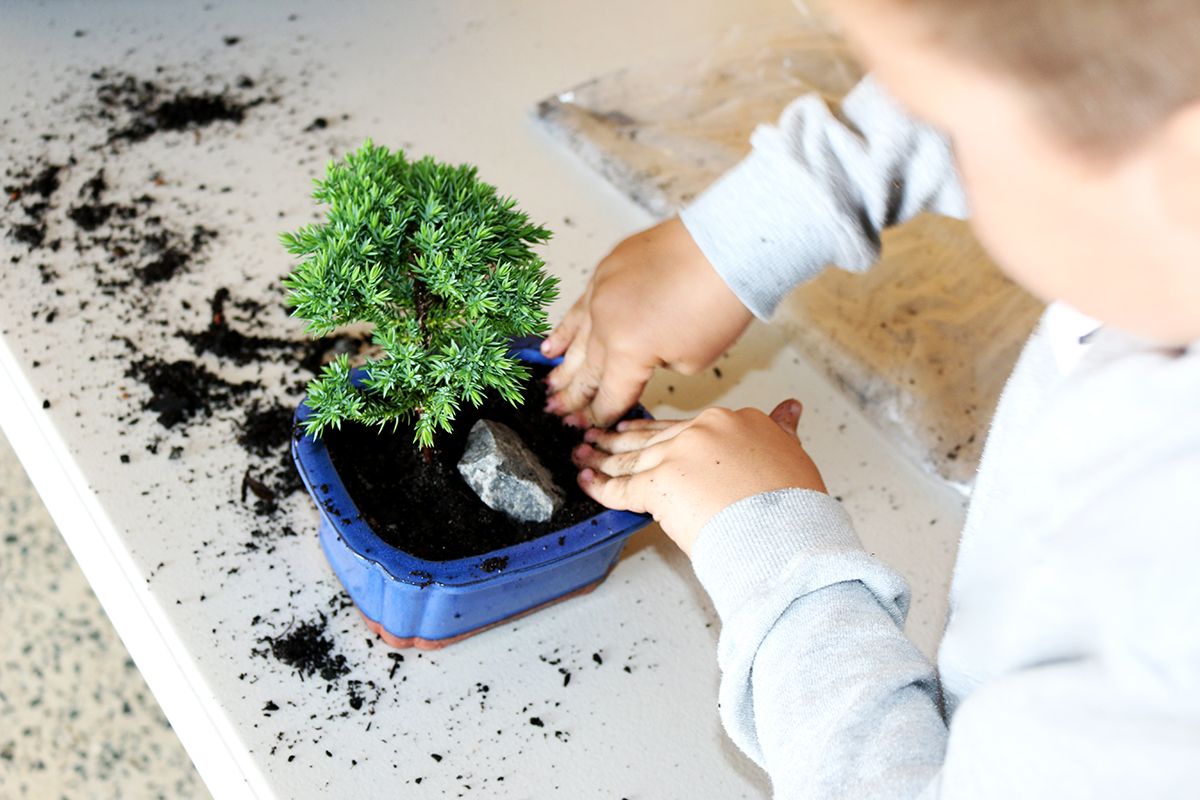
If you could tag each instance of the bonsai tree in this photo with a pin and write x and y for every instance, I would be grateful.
(443, 268)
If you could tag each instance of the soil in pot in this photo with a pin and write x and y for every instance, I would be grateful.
(426, 509)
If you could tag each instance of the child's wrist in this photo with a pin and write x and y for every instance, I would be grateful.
(744, 549)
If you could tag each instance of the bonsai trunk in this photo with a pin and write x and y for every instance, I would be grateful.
(421, 301)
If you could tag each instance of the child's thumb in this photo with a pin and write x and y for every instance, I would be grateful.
(787, 415)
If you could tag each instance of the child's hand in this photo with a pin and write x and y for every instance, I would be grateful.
(654, 301)
(684, 472)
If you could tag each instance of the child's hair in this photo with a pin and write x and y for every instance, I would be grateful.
(1103, 73)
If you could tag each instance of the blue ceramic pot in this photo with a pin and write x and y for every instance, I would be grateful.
(412, 602)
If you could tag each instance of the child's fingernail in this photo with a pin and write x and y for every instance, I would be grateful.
(573, 420)
(545, 348)
(586, 475)
(591, 436)
(622, 426)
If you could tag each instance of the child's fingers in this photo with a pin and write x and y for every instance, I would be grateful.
(666, 434)
(572, 360)
(576, 394)
(625, 441)
(645, 424)
(558, 377)
(621, 384)
(626, 493)
(563, 376)
(628, 463)
(559, 339)
(787, 415)
(613, 442)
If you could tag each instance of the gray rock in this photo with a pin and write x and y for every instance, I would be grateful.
(506, 475)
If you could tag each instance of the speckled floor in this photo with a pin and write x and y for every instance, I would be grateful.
(76, 718)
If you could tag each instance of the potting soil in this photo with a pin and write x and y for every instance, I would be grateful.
(427, 509)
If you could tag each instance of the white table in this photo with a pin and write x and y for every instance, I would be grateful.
(162, 540)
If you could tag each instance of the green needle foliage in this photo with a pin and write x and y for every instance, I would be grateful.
(444, 269)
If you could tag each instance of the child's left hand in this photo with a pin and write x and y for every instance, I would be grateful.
(683, 472)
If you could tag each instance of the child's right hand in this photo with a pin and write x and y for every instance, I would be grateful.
(654, 301)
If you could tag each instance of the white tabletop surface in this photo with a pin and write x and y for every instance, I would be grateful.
(163, 540)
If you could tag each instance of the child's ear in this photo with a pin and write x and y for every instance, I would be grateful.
(1177, 168)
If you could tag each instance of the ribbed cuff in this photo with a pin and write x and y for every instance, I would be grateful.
(745, 548)
(766, 227)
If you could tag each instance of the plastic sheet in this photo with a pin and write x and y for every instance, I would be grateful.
(923, 342)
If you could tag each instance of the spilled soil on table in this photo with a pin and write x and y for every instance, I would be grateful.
(129, 238)
(137, 109)
(131, 241)
(88, 205)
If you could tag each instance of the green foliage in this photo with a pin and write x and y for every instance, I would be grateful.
(441, 265)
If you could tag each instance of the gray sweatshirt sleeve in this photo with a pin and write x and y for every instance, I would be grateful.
(821, 688)
(819, 684)
(818, 189)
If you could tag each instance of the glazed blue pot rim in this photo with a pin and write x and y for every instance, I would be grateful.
(334, 501)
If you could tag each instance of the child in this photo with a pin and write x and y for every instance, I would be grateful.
(1070, 665)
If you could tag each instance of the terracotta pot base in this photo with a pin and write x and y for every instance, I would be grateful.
(438, 644)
